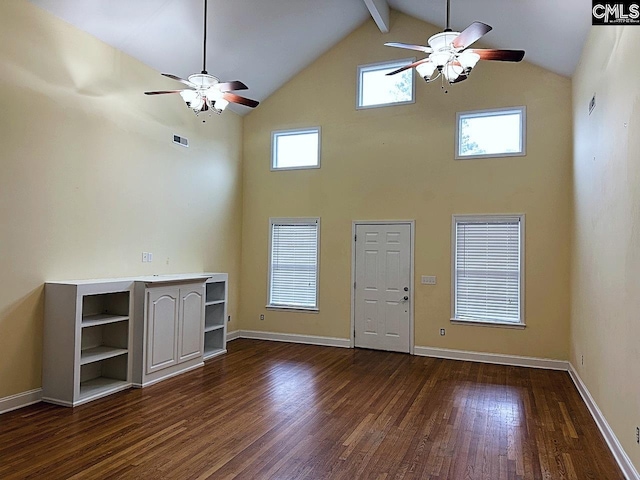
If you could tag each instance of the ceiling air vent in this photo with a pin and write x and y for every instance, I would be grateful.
(181, 140)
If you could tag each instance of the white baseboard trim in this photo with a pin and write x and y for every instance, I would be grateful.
(495, 358)
(233, 335)
(619, 454)
(24, 399)
(294, 338)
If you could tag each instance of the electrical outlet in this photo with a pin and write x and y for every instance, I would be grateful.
(150, 257)
(638, 435)
(428, 280)
(262, 316)
(582, 360)
(145, 257)
(442, 332)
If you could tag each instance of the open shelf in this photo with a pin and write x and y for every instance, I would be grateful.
(106, 303)
(212, 352)
(101, 386)
(215, 292)
(96, 354)
(214, 315)
(104, 376)
(214, 302)
(102, 319)
(213, 327)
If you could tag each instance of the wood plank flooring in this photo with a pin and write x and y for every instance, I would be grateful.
(270, 410)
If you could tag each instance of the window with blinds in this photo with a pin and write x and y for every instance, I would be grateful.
(488, 258)
(293, 263)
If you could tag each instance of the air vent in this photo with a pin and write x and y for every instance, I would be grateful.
(181, 141)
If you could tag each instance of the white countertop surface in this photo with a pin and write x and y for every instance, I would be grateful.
(175, 277)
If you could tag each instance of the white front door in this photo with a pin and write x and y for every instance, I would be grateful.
(383, 280)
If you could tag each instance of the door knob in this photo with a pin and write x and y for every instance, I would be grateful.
(405, 298)
(406, 289)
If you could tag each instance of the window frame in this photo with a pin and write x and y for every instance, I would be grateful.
(484, 218)
(293, 221)
(522, 110)
(289, 132)
(381, 66)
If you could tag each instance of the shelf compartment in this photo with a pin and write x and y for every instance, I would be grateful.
(103, 377)
(97, 354)
(213, 342)
(214, 315)
(102, 319)
(106, 303)
(100, 386)
(104, 340)
(215, 292)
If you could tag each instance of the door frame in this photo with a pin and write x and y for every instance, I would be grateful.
(412, 230)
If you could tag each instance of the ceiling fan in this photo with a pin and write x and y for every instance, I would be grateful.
(206, 92)
(450, 55)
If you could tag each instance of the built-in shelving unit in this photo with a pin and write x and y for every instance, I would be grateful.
(88, 334)
(215, 315)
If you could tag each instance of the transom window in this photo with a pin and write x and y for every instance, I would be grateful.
(491, 133)
(488, 272)
(293, 263)
(295, 149)
(376, 89)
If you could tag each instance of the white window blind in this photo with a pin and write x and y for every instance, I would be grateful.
(488, 263)
(293, 274)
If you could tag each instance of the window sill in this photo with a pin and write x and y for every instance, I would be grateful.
(481, 323)
(286, 308)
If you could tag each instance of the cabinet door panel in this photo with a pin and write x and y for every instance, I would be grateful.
(191, 329)
(162, 321)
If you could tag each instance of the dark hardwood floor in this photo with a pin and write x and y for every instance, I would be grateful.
(283, 411)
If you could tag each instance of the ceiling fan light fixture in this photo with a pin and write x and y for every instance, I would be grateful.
(221, 104)
(426, 69)
(441, 58)
(452, 71)
(468, 59)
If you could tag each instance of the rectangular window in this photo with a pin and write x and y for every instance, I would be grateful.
(488, 273)
(376, 89)
(491, 133)
(293, 263)
(295, 149)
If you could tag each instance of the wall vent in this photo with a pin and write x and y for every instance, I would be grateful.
(181, 140)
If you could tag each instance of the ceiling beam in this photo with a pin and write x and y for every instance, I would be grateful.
(379, 10)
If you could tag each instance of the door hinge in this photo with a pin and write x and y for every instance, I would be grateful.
(355, 238)
(354, 285)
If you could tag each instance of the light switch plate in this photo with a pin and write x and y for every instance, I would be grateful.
(145, 257)
(150, 257)
(428, 280)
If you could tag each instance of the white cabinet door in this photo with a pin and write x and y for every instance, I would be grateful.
(191, 322)
(162, 323)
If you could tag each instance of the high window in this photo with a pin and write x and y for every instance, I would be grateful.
(491, 133)
(293, 263)
(376, 89)
(295, 149)
(488, 273)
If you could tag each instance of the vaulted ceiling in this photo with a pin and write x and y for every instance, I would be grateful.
(266, 42)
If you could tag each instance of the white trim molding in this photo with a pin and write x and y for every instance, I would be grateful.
(293, 338)
(233, 335)
(24, 399)
(624, 462)
(499, 359)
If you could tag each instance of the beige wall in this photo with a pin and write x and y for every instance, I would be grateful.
(605, 325)
(89, 177)
(397, 163)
